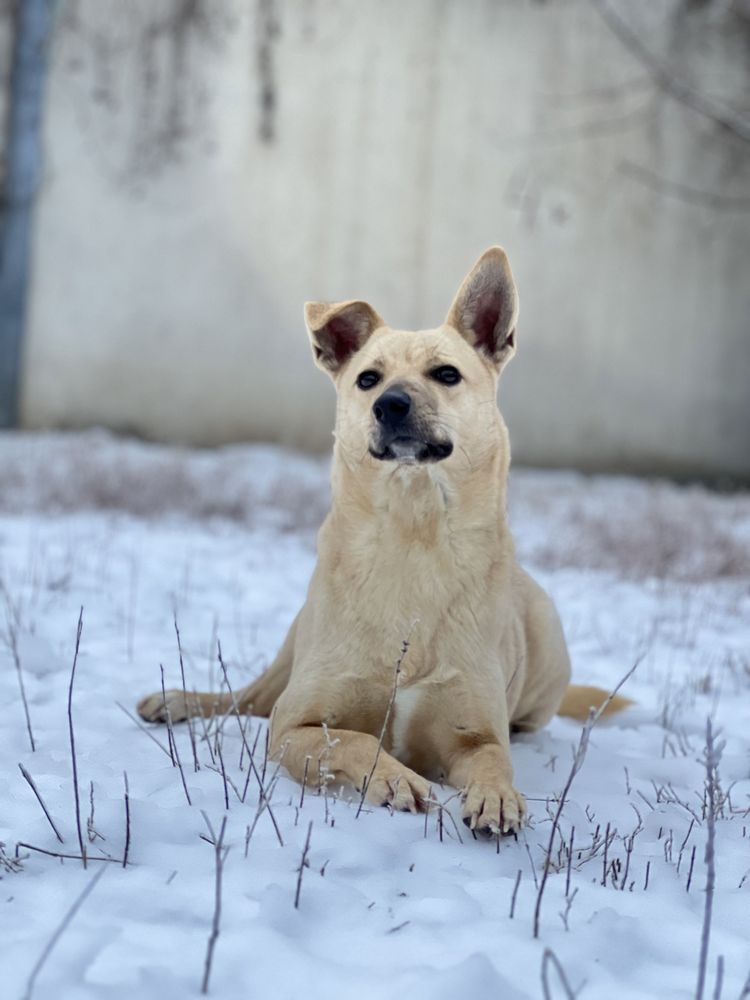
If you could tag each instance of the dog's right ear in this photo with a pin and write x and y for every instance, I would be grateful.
(338, 330)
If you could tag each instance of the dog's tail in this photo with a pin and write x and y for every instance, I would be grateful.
(579, 699)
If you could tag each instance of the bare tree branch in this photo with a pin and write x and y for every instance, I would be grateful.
(681, 91)
(683, 192)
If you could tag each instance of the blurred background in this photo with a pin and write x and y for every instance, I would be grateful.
(178, 176)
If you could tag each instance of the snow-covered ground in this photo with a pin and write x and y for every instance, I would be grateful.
(389, 905)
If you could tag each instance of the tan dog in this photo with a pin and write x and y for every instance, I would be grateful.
(415, 552)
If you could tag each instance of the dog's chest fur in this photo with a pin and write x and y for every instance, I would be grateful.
(407, 571)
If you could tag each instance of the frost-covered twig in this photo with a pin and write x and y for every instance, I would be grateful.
(40, 800)
(74, 762)
(386, 719)
(7, 863)
(711, 758)
(64, 923)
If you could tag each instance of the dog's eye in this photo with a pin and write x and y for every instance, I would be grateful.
(446, 375)
(366, 380)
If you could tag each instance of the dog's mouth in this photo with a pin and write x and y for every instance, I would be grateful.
(411, 450)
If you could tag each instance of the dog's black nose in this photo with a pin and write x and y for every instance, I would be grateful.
(392, 407)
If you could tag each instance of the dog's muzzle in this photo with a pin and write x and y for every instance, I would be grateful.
(398, 436)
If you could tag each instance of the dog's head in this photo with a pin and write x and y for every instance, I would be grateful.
(420, 397)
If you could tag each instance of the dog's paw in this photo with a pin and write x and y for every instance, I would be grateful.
(160, 707)
(400, 788)
(493, 811)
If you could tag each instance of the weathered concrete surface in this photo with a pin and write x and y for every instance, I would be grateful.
(337, 149)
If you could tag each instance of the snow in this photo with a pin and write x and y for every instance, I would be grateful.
(389, 904)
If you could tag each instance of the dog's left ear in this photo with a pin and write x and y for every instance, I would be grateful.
(338, 330)
(485, 310)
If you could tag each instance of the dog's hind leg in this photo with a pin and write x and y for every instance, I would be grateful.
(258, 698)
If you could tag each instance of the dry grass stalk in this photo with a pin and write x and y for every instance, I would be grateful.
(302, 866)
(168, 713)
(40, 800)
(253, 768)
(386, 720)
(173, 748)
(189, 720)
(59, 854)
(220, 855)
(578, 759)
(126, 850)
(515, 894)
(143, 729)
(11, 637)
(64, 924)
(550, 957)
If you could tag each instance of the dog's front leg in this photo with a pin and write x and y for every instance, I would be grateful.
(484, 773)
(319, 755)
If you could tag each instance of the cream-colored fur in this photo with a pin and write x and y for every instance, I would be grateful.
(416, 551)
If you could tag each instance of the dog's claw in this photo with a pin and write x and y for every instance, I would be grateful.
(492, 812)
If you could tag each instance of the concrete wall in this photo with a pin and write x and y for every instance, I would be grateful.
(210, 167)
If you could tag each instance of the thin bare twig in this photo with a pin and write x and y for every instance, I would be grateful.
(126, 850)
(578, 759)
(220, 855)
(143, 728)
(718, 985)
(81, 845)
(547, 957)
(66, 857)
(386, 719)
(223, 772)
(568, 903)
(168, 714)
(64, 923)
(189, 720)
(570, 861)
(40, 800)
(302, 866)
(690, 869)
(236, 711)
(515, 893)
(174, 749)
